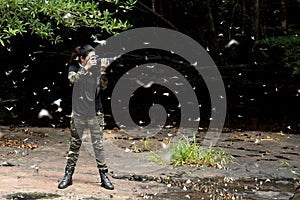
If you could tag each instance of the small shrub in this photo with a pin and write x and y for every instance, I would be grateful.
(146, 143)
(290, 46)
(186, 152)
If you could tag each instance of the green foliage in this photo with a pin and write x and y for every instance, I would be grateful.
(146, 143)
(185, 152)
(290, 46)
(191, 153)
(46, 18)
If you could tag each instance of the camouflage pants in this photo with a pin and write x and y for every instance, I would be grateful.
(77, 126)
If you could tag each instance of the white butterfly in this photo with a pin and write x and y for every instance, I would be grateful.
(9, 108)
(232, 42)
(44, 113)
(57, 102)
(7, 73)
(101, 42)
(148, 85)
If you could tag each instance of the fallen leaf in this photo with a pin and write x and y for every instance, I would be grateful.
(281, 133)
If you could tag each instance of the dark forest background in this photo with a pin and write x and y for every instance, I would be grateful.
(254, 43)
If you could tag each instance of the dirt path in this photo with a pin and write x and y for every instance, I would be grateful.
(33, 160)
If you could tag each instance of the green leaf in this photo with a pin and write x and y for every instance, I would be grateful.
(2, 43)
(46, 18)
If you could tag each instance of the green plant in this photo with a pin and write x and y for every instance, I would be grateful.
(146, 143)
(186, 152)
(156, 157)
(134, 148)
(191, 153)
(49, 19)
(290, 46)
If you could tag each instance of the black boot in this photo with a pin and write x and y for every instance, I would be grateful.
(105, 182)
(67, 180)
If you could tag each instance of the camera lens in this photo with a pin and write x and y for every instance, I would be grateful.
(95, 57)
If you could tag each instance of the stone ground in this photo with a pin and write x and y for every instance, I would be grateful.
(32, 162)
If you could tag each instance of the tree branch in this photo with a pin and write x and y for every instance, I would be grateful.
(8, 100)
(158, 15)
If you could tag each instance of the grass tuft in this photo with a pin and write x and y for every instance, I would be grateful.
(187, 152)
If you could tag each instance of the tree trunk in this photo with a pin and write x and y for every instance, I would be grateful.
(232, 18)
(212, 35)
(283, 17)
(161, 10)
(244, 11)
(153, 6)
(255, 19)
(170, 10)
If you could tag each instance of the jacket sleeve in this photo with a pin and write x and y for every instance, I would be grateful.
(75, 74)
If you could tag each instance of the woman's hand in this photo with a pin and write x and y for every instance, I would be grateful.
(104, 64)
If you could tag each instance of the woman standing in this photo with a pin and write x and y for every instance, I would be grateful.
(85, 75)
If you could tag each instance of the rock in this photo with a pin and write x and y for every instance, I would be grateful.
(134, 189)
(7, 164)
(273, 195)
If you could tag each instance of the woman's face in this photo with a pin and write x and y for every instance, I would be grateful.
(89, 60)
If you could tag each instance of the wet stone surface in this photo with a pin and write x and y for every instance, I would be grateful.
(32, 161)
(28, 196)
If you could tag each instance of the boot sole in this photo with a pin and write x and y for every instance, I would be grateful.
(108, 188)
(65, 186)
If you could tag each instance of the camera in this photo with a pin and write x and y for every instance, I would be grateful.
(109, 59)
